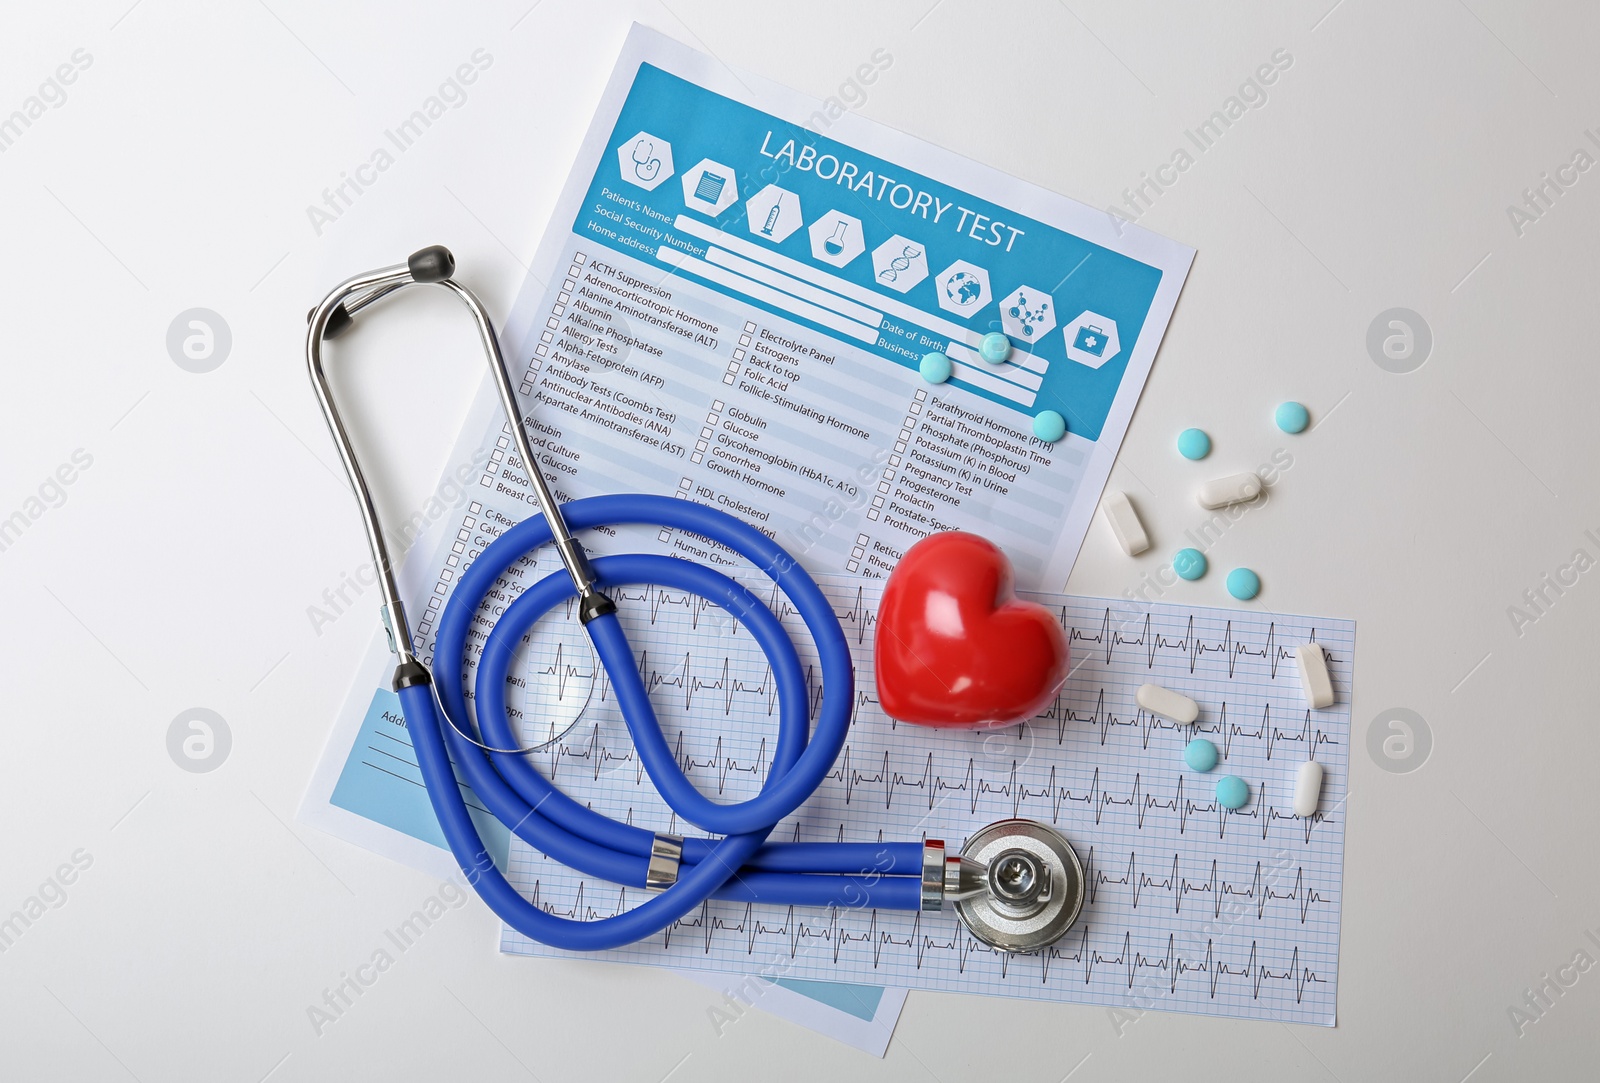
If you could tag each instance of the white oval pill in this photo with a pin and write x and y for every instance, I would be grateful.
(1314, 680)
(1233, 489)
(1307, 788)
(1167, 703)
(1124, 523)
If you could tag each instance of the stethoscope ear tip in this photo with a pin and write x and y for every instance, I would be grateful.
(339, 320)
(431, 264)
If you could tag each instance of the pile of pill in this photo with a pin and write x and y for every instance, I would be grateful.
(995, 348)
(1200, 754)
(1195, 444)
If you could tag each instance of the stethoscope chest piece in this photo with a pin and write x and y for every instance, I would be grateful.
(1034, 881)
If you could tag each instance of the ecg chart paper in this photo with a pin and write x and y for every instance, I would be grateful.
(1189, 907)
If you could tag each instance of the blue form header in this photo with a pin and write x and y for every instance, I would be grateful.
(865, 251)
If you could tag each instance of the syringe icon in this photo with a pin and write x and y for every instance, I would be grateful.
(772, 220)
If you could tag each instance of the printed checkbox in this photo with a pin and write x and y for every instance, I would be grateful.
(894, 460)
(916, 408)
(681, 495)
(526, 388)
(665, 535)
(858, 551)
(701, 445)
(560, 310)
(485, 480)
(728, 379)
(504, 441)
(578, 257)
(750, 325)
(696, 457)
(433, 603)
(744, 340)
(463, 535)
(563, 297)
(861, 539)
(900, 446)
(547, 336)
(569, 284)
(716, 404)
(574, 270)
(877, 501)
(905, 434)
(888, 474)
(438, 588)
(883, 486)
(854, 566)
(452, 560)
(470, 521)
(706, 432)
(459, 547)
(738, 355)
(475, 507)
(540, 350)
(498, 456)
(552, 323)
(872, 513)
(685, 483)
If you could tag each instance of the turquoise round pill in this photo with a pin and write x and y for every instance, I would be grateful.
(1194, 444)
(1200, 754)
(1049, 426)
(1244, 584)
(1189, 563)
(1232, 792)
(935, 367)
(1292, 417)
(994, 348)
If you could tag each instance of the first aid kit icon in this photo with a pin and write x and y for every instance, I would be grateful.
(1090, 339)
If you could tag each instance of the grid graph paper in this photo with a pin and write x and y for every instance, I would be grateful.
(1190, 907)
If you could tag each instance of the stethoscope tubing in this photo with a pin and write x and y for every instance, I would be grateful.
(740, 866)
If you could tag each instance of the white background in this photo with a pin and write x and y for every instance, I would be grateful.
(178, 571)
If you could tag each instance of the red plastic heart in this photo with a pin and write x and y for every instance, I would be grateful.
(955, 647)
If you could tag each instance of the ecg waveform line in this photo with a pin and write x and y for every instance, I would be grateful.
(884, 785)
(1106, 633)
(1172, 882)
(692, 674)
(930, 787)
(796, 935)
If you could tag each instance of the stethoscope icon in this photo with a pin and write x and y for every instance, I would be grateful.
(646, 167)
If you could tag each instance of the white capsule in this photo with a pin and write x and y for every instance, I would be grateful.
(1314, 680)
(1167, 703)
(1307, 788)
(1124, 522)
(1233, 489)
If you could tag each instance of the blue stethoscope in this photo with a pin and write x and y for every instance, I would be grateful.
(1017, 885)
